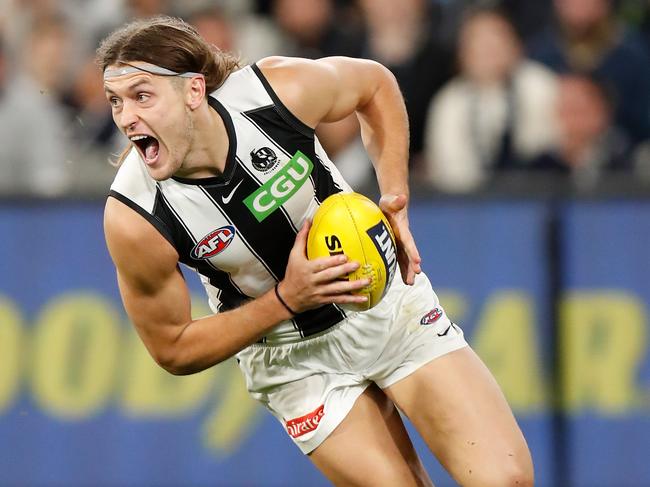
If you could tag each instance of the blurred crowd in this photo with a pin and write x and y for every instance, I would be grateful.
(503, 87)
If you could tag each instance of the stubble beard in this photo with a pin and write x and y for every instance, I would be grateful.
(178, 155)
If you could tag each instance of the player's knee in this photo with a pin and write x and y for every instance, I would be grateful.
(516, 475)
(512, 473)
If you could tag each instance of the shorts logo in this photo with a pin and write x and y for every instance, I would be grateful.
(282, 186)
(264, 159)
(213, 243)
(304, 424)
(431, 317)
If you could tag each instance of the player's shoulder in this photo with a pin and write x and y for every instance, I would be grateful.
(130, 207)
(127, 226)
(133, 183)
(292, 69)
(306, 87)
(280, 62)
(131, 238)
(129, 166)
(123, 224)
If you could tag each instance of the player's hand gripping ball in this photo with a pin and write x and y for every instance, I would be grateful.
(351, 224)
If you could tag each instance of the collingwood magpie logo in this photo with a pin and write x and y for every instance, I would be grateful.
(264, 159)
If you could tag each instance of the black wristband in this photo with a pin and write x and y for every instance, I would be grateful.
(277, 293)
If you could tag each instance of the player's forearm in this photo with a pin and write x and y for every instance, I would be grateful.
(385, 133)
(210, 340)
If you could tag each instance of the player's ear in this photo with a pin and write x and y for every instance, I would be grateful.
(195, 92)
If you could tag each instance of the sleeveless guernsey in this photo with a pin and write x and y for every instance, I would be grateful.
(236, 230)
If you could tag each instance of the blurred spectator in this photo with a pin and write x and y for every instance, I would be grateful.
(401, 36)
(636, 15)
(255, 35)
(528, 17)
(587, 39)
(589, 144)
(214, 26)
(313, 29)
(497, 113)
(19, 16)
(142, 9)
(33, 139)
(3, 68)
(93, 136)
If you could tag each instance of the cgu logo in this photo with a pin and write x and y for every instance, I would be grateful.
(213, 243)
(282, 186)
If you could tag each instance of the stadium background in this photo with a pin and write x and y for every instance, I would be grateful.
(550, 282)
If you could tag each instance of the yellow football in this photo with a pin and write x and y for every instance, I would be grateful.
(351, 224)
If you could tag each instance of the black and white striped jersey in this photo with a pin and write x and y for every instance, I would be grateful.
(236, 230)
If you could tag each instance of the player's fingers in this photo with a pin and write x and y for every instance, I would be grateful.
(344, 292)
(345, 287)
(300, 245)
(346, 299)
(336, 272)
(323, 263)
(338, 289)
(403, 263)
(392, 203)
(410, 275)
(412, 250)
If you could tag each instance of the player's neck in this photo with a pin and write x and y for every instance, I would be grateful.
(209, 148)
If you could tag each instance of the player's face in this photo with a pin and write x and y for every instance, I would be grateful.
(151, 111)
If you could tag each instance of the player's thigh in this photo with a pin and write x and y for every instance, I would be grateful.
(370, 447)
(457, 406)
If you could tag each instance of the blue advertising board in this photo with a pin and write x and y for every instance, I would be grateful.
(605, 342)
(82, 403)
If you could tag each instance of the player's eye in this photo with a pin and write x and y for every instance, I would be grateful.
(115, 101)
(142, 97)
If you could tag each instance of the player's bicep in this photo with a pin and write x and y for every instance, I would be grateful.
(153, 290)
(159, 313)
(355, 82)
(325, 90)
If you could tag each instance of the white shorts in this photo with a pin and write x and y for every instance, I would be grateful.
(311, 385)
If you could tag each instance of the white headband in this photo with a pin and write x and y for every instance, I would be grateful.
(146, 68)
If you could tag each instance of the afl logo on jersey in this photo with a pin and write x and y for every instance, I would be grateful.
(213, 243)
(264, 159)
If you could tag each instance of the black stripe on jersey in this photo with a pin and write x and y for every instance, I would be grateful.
(325, 184)
(319, 319)
(231, 296)
(218, 204)
(286, 114)
(275, 144)
(158, 223)
(246, 115)
(269, 122)
(272, 125)
(259, 182)
(272, 238)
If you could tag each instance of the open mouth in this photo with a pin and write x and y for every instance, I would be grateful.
(148, 146)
